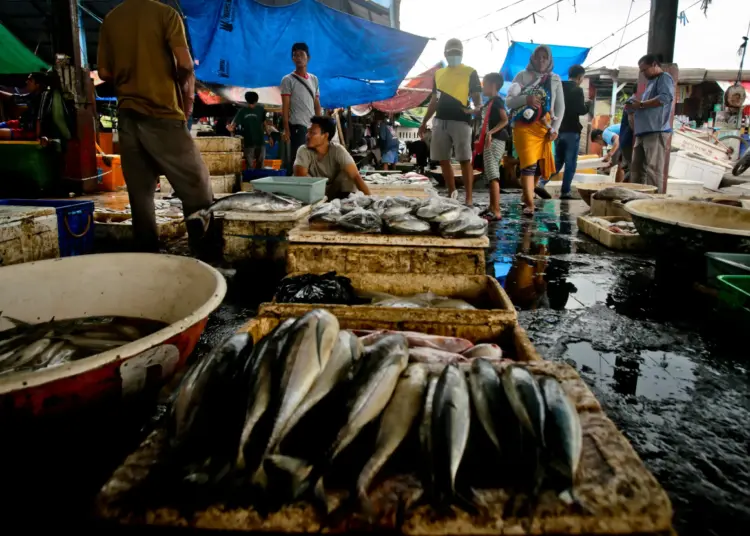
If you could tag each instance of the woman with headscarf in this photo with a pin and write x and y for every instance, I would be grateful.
(537, 106)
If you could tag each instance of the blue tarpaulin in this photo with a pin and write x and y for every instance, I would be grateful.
(244, 43)
(519, 54)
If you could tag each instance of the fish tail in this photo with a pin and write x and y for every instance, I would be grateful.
(260, 478)
(570, 498)
(466, 504)
(319, 494)
(365, 506)
(295, 470)
(204, 216)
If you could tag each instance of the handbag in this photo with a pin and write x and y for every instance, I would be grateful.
(478, 156)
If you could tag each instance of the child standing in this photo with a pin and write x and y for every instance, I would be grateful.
(494, 140)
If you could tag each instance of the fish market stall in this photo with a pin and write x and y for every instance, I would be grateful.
(287, 448)
(333, 250)
(256, 225)
(614, 232)
(157, 306)
(415, 300)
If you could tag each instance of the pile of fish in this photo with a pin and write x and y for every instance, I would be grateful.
(166, 212)
(402, 215)
(616, 193)
(425, 299)
(311, 406)
(314, 288)
(27, 347)
(617, 227)
(396, 178)
(254, 201)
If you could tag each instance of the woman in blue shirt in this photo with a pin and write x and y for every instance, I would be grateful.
(388, 143)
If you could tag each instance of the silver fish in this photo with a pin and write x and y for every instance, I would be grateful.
(327, 213)
(450, 214)
(416, 339)
(563, 426)
(395, 424)
(247, 202)
(526, 399)
(485, 350)
(432, 355)
(346, 352)
(63, 356)
(464, 227)
(396, 211)
(486, 392)
(361, 221)
(435, 206)
(31, 352)
(373, 387)
(49, 354)
(406, 224)
(617, 193)
(453, 303)
(425, 433)
(306, 353)
(451, 418)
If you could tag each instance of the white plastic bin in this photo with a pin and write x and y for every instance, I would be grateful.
(684, 166)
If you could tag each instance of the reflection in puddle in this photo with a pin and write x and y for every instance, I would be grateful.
(650, 374)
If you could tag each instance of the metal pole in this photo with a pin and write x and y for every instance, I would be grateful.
(613, 104)
(662, 28)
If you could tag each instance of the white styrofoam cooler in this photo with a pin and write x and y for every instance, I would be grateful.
(686, 167)
(684, 188)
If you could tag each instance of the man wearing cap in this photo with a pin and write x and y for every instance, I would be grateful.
(451, 130)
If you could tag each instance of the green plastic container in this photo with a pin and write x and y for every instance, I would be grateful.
(726, 264)
(306, 189)
(734, 291)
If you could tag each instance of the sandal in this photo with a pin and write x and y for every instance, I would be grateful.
(528, 212)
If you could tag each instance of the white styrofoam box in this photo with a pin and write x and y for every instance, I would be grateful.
(554, 188)
(588, 177)
(686, 167)
(27, 234)
(591, 163)
(683, 188)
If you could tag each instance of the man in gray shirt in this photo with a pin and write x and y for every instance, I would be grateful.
(321, 157)
(653, 125)
(300, 100)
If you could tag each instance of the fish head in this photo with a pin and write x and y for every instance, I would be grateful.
(199, 220)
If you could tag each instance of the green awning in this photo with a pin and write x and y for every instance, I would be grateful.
(408, 123)
(16, 58)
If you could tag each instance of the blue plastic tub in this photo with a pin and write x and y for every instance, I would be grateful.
(252, 174)
(75, 222)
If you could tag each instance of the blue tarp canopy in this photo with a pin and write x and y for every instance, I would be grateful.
(519, 55)
(244, 43)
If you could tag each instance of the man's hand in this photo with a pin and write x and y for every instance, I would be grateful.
(552, 135)
(607, 158)
(533, 100)
(635, 104)
(422, 129)
(285, 136)
(231, 127)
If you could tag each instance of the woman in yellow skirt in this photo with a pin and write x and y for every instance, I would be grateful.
(537, 106)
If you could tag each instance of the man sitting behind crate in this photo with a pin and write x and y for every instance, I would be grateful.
(321, 157)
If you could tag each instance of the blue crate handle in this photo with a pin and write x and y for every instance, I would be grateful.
(78, 235)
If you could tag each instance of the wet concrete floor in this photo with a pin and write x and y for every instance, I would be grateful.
(670, 373)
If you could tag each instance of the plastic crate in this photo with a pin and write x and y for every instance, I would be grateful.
(75, 222)
(273, 164)
(726, 264)
(252, 174)
(734, 291)
(306, 189)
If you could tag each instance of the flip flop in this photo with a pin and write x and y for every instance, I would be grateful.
(528, 212)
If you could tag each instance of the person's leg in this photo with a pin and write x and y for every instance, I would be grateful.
(260, 156)
(440, 150)
(560, 146)
(170, 145)
(660, 160)
(249, 154)
(461, 136)
(572, 141)
(492, 160)
(654, 149)
(141, 173)
(638, 162)
(528, 181)
(627, 158)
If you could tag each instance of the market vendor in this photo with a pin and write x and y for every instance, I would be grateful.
(609, 137)
(321, 157)
(45, 114)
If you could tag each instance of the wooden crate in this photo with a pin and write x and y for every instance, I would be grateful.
(259, 235)
(334, 250)
(219, 144)
(484, 292)
(224, 163)
(615, 209)
(607, 238)
(620, 495)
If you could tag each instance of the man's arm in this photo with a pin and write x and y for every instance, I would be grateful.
(104, 59)
(317, 105)
(579, 103)
(353, 173)
(300, 171)
(175, 36)
(615, 144)
(286, 100)
(427, 116)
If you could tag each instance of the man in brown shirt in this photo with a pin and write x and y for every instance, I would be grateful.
(144, 53)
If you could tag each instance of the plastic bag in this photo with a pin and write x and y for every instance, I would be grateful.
(314, 288)
(327, 213)
(407, 224)
(468, 225)
(360, 220)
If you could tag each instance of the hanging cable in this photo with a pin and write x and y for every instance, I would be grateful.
(479, 18)
(616, 31)
(622, 37)
(623, 46)
(531, 15)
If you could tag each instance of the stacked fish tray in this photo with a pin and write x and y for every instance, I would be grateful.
(27, 234)
(259, 235)
(316, 251)
(486, 303)
(612, 491)
(222, 155)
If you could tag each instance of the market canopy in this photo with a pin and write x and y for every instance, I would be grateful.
(519, 55)
(247, 44)
(16, 58)
(411, 95)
